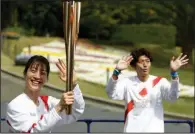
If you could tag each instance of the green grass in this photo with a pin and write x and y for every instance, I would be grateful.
(13, 47)
(183, 105)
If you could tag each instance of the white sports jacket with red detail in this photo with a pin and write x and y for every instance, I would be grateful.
(24, 116)
(143, 101)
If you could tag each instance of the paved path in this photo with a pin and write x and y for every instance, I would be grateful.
(11, 87)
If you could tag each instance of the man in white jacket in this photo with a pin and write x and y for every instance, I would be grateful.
(30, 112)
(143, 93)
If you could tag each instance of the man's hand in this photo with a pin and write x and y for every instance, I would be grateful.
(124, 63)
(62, 67)
(175, 64)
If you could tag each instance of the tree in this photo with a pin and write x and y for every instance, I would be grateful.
(183, 14)
(8, 13)
(44, 17)
(96, 20)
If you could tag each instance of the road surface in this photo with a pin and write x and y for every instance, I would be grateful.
(11, 87)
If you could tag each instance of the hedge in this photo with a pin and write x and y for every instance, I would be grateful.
(145, 33)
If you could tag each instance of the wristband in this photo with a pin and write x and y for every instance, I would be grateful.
(116, 72)
(174, 74)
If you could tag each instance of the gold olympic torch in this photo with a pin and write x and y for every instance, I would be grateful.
(71, 18)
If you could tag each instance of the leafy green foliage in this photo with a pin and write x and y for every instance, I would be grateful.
(99, 19)
(146, 33)
(20, 30)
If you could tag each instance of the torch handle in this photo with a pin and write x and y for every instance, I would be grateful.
(69, 109)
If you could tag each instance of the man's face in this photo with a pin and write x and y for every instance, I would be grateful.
(36, 77)
(143, 66)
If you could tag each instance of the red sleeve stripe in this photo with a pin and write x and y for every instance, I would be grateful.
(33, 125)
(41, 117)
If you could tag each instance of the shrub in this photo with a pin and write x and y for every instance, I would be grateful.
(145, 33)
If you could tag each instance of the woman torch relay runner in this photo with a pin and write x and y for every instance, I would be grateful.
(30, 112)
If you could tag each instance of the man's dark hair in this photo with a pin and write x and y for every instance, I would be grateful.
(37, 58)
(139, 52)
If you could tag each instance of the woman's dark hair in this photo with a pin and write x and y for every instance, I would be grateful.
(139, 52)
(37, 58)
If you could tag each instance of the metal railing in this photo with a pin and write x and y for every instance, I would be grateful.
(89, 121)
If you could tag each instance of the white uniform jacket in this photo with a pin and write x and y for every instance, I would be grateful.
(24, 116)
(143, 101)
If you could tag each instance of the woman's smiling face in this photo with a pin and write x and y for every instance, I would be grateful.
(36, 76)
